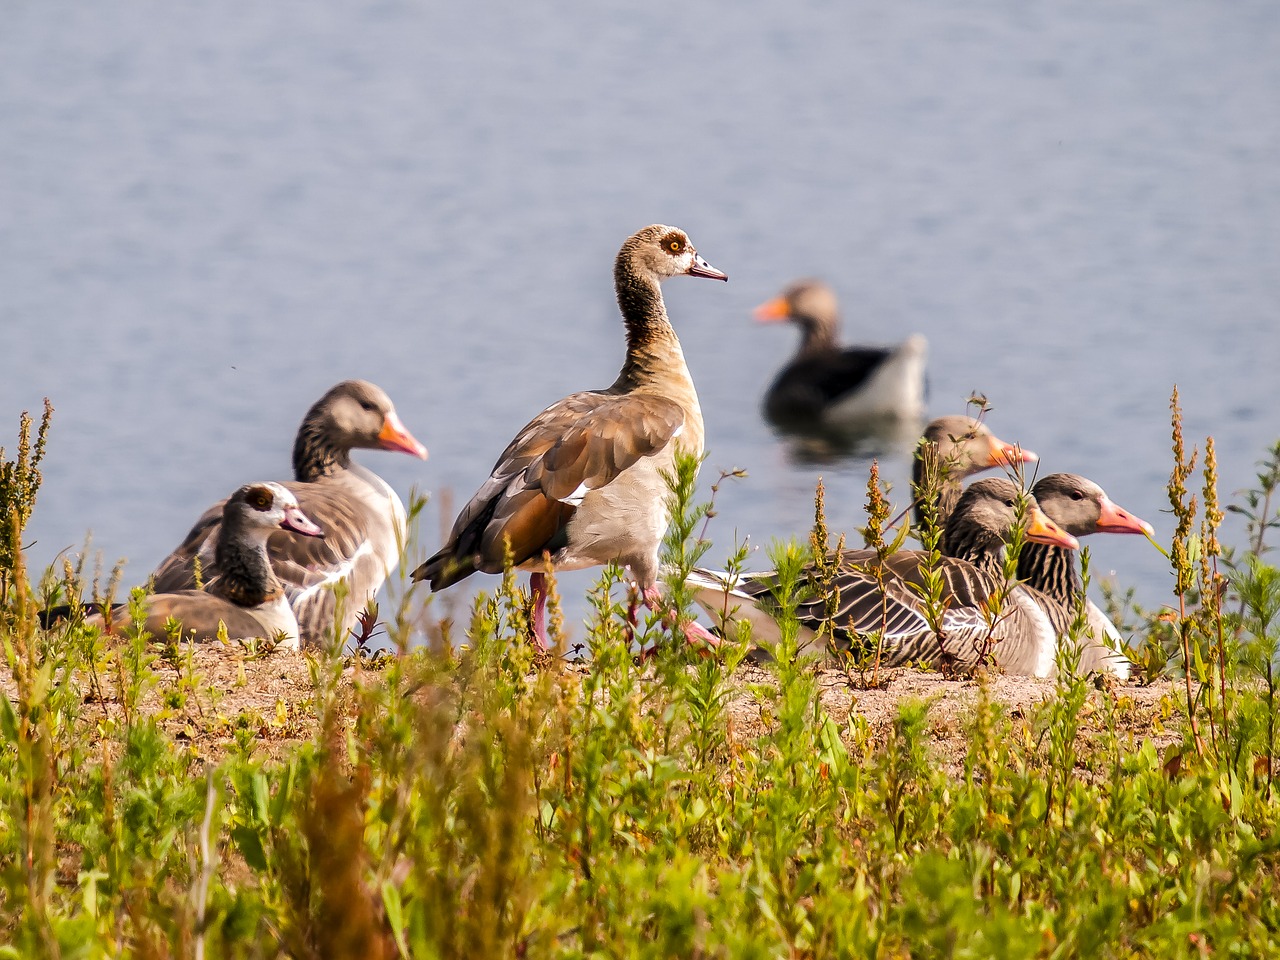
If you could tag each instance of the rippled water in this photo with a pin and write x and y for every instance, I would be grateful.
(208, 215)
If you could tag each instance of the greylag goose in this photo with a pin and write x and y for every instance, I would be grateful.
(581, 483)
(1022, 639)
(363, 518)
(1080, 507)
(245, 599)
(960, 446)
(827, 384)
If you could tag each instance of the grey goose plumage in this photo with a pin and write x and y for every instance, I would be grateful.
(1082, 508)
(581, 483)
(363, 517)
(245, 599)
(1021, 639)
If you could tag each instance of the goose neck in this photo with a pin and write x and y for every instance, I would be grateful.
(245, 577)
(1051, 570)
(976, 545)
(818, 335)
(653, 350)
(316, 455)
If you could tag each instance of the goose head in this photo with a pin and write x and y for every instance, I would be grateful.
(967, 446)
(659, 252)
(265, 507)
(991, 507)
(1081, 507)
(810, 304)
(359, 414)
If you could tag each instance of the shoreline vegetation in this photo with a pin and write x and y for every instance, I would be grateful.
(464, 796)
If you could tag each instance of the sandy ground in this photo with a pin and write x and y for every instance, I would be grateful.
(268, 698)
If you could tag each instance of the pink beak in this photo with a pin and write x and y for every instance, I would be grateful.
(394, 436)
(1115, 519)
(299, 522)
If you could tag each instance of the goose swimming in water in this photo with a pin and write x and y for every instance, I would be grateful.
(828, 384)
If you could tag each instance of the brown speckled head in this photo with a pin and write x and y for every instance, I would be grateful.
(659, 251)
(353, 414)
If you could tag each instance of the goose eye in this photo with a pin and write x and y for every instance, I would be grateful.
(1077, 495)
(366, 405)
(260, 500)
(675, 246)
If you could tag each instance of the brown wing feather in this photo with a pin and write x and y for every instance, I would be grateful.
(199, 612)
(579, 444)
(177, 570)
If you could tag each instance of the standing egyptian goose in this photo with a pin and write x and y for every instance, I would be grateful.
(827, 384)
(1080, 507)
(582, 482)
(1022, 639)
(246, 599)
(363, 518)
(960, 446)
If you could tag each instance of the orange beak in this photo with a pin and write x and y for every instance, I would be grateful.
(1116, 519)
(394, 436)
(1007, 454)
(1040, 529)
(776, 310)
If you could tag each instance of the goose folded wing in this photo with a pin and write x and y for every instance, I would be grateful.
(580, 444)
(310, 567)
(177, 570)
(201, 614)
(893, 606)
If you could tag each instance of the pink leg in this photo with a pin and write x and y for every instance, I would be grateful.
(538, 587)
(633, 612)
(694, 633)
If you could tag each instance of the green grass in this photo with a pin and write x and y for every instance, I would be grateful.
(474, 802)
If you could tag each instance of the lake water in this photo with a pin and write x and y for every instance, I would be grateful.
(209, 214)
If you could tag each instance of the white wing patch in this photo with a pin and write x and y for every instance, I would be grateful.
(335, 574)
(578, 495)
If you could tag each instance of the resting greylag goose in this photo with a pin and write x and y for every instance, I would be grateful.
(245, 599)
(363, 518)
(581, 483)
(961, 446)
(825, 383)
(1022, 639)
(1080, 507)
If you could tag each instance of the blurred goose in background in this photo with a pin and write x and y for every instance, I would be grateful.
(826, 384)
(582, 482)
(1080, 507)
(245, 599)
(363, 518)
(1021, 640)
(960, 446)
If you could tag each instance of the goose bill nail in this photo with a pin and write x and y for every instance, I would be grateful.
(701, 268)
(1114, 519)
(394, 436)
(299, 522)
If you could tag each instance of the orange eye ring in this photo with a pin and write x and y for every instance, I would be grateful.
(675, 246)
